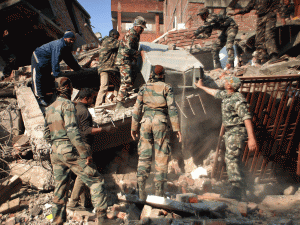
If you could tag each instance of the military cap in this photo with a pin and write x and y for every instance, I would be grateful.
(62, 83)
(159, 72)
(140, 21)
(235, 82)
(202, 11)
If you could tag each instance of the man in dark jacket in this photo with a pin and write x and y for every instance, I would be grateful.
(87, 132)
(265, 28)
(107, 68)
(47, 58)
(229, 30)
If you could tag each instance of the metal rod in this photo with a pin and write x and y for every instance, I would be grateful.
(180, 109)
(190, 106)
(112, 121)
(201, 103)
(222, 130)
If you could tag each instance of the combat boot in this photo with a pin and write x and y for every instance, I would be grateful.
(142, 191)
(120, 106)
(234, 193)
(159, 189)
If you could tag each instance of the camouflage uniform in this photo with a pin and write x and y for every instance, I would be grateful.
(126, 61)
(229, 30)
(157, 100)
(266, 25)
(107, 68)
(234, 113)
(69, 153)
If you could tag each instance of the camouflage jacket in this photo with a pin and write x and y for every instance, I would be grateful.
(128, 49)
(61, 128)
(262, 7)
(234, 108)
(214, 21)
(156, 97)
(107, 54)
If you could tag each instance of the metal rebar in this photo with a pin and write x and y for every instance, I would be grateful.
(180, 109)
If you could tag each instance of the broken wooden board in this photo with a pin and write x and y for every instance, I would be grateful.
(174, 206)
(9, 186)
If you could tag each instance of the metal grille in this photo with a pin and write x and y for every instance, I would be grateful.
(275, 105)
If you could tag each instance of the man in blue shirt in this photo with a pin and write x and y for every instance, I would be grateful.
(46, 59)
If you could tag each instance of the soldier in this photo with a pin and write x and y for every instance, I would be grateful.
(229, 30)
(265, 28)
(237, 122)
(107, 68)
(156, 97)
(70, 153)
(47, 58)
(127, 58)
(86, 98)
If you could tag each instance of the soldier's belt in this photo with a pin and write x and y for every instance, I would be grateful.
(227, 128)
(158, 111)
(61, 142)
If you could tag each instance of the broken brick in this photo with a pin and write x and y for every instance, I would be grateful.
(242, 207)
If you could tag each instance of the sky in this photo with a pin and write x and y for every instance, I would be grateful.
(100, 12)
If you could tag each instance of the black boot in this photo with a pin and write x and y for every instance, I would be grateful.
(159, 189)
(142, 189)
(234, 193)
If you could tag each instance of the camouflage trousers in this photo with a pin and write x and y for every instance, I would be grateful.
(63, 164)
(128, 75)
(154, 132)
(235, 142)
(227, 38)
(265, 36)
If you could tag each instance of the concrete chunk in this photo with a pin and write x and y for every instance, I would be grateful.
(185, 197)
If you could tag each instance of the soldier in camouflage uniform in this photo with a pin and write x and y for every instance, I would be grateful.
(70, 153)
(156, 98)
(229, 30)
(107, 69)
(265, 27)
(127, 58)
(237, 122)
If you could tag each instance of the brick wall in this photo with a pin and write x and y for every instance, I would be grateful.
(87, 33)
(61, 14)
(63, 18)
(142, 6)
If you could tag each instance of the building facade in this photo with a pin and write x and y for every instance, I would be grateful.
(125, 11)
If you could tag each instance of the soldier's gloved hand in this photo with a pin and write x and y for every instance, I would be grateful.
(89, 160)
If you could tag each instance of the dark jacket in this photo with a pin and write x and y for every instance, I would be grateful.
(51, 54)
(108, 54)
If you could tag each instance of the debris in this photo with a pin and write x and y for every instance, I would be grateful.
(10, 206)
(36, 210)
(133, 213)
(200, 171)
(243, 208)
(290, 190)
(146, 212)
(37, 175)
(185, 197)
(9, 186)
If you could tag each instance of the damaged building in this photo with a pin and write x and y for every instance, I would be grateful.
(197, 174)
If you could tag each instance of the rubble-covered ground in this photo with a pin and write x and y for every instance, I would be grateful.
(265, 202)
